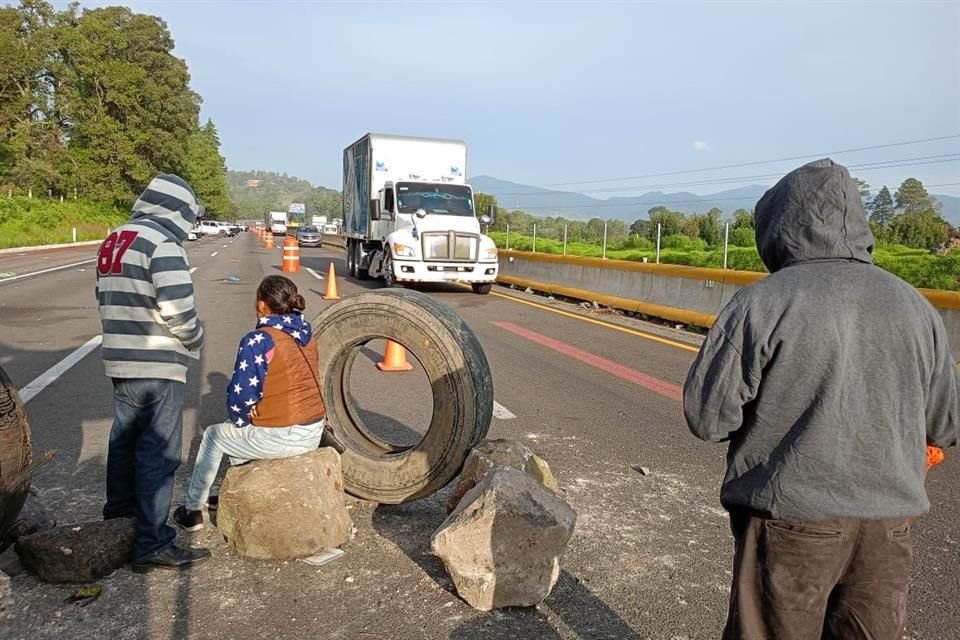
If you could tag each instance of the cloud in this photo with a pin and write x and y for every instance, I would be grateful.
(700, 146)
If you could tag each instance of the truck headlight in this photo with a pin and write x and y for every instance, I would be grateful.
(491, 252)
(403, 251)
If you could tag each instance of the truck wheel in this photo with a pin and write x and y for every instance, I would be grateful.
(351, 265)
(482, 288)
(15, 455)
(389, 278)
(361, 273)
(460, 380)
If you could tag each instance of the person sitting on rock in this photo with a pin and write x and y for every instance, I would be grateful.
(274, 401)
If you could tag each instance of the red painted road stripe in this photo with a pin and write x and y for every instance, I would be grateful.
(648, 382)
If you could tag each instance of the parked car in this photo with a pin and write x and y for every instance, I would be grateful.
(309, 236)
(216, 228)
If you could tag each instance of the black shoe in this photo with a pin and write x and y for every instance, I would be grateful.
(213, 502)
(172, 558)
(188, 520)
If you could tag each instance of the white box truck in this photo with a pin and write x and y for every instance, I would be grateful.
(409, 213)
(276, 221)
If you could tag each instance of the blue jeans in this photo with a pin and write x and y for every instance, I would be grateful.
(144, 455)
(243, 444)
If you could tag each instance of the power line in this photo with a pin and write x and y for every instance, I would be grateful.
(759, 162)
(880, 164)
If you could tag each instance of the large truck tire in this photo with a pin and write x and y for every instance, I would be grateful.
(481, 288)
(460, 381)
(360, 272)
(351, 266)
(16, 455)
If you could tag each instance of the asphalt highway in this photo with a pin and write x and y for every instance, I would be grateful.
(594, 394)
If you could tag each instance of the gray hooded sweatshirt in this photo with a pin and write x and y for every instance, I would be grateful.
(144, 288)
(829, 377)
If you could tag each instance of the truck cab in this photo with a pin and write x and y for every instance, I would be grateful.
(430, 233)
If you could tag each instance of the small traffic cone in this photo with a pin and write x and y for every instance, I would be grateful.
(332, 293)
(268, 240)
(394, 358)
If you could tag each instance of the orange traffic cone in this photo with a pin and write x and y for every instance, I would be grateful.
(332, 293)
(394, 358)
(268, 240)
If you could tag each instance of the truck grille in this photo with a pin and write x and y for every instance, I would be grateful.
(450, 246)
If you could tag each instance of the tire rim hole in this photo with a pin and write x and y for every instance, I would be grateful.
(391, 409)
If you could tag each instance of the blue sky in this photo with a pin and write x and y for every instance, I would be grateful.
(548, 93)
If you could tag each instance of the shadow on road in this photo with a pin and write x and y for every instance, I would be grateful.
(410, 527)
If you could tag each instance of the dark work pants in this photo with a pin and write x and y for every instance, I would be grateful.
(842, 578)
(144, 455)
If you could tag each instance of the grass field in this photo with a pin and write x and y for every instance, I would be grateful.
(917, 266)
(28, 222)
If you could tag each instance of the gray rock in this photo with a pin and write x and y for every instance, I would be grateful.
(6, 596)
(286, 508)
(502, 544)
(81, 552)
(500, 453)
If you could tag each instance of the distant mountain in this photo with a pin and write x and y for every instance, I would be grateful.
(951, 209)
(545, 202)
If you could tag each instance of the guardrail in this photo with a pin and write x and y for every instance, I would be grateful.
(691, 295)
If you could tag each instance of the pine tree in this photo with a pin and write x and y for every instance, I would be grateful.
(881, 208)
(206, 171)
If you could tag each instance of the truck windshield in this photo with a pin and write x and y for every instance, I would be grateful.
(443, 199)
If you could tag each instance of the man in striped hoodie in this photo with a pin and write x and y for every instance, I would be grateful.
(151, 335)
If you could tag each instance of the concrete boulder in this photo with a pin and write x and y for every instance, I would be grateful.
(286, 508)
(500, 453)
(82, 552)
(503, 542)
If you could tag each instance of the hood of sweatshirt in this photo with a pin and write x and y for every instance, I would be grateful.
(813, 213)
(170, 202)
(292, 323)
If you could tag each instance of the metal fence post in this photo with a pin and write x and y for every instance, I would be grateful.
(508, 237)
(658, 243)
(564, 239)
(726, 243)
(534, 237)
(604, 256)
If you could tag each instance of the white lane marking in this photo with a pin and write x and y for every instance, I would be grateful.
(192, 269)
(50, 376)
(501, 412)
(42, 271)
(224, 247)
(315, 274)
(214, 254)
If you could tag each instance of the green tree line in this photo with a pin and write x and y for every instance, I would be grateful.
(910, 217)
(93, 104)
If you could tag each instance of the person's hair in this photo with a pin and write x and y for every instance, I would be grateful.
(280, 294)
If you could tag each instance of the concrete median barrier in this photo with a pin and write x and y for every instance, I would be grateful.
(691, 295)
(334, 241)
